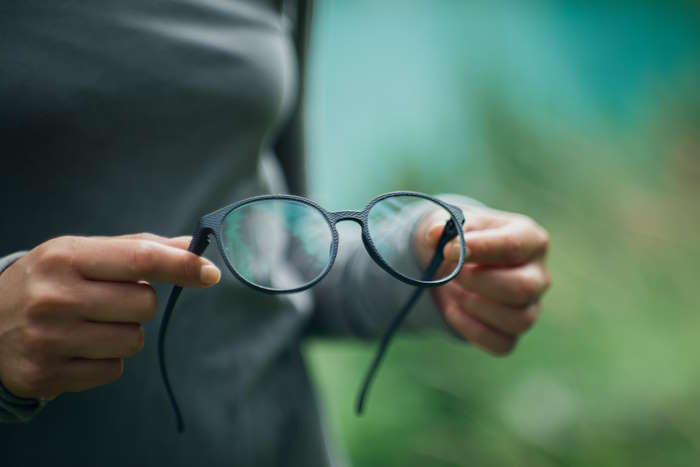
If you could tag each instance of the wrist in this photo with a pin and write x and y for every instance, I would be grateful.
(9, 260)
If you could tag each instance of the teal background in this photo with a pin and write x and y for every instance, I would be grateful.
(583, 115)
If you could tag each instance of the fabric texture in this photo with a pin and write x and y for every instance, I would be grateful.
(142, 115)
(17, 410)
(6, 262)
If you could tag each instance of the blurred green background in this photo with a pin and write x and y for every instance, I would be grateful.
(584, 115)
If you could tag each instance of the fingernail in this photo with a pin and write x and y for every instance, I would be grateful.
(209, 274)
(183, 238)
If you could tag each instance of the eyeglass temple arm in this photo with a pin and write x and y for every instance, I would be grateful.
(199, 243)
(448, 233)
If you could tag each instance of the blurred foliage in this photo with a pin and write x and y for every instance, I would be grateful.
(584, 116)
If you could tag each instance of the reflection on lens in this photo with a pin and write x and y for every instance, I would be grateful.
(392, 224)
(278, 244)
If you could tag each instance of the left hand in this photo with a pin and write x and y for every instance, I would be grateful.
(495, 298)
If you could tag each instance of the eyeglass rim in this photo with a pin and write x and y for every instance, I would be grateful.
(212, 223)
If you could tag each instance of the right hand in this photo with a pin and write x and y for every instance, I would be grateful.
(71, 309)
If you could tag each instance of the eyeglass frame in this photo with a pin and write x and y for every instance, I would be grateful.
(212, 224)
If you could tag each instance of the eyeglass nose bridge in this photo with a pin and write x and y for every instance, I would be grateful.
(339, 216)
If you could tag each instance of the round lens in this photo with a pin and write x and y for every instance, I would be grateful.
(277, 243)
(401, 220)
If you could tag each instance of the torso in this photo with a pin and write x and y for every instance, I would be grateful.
(142, 115)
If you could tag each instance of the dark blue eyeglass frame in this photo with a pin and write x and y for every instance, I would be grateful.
(211, 225)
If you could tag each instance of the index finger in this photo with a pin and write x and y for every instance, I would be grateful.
(511, 244)
(182, 242)
(131, 260)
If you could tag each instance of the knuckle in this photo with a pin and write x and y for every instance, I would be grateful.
(526, 289)
(523, 219)
(522, 326)
(111, 371)
(33, 304)
(42, 298)
(150, 303)
(470, 301)
(531, 283)
(115, 370)
(523, 222)
(527, 319)
(479, 334)
(140, 339)
(545, 239)
(547, 280)
(503, 348)
(530, 318)
(33, 378)
(143, 257)
(136, 341)
(541, 236)
(51, 298)
(191, 265)
(57, 253)
(513, 248)
(36, 340)
(530, 224)
(146, 236)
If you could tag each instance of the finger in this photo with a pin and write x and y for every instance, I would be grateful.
(182, 242)
(117, 302)
(509, 320)
(474, 220)
(506, 319)
(517, 286)
(102, 340)
(430, 239)
(433, 233)
(511, 244)
(478, 333)
(80, 374)
(119, 259)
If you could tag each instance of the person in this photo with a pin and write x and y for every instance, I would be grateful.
(140, 116)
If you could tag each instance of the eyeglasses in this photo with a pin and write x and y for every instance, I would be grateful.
(283, 244)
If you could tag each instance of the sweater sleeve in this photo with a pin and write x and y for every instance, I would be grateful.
(16, 409)
(359, 298)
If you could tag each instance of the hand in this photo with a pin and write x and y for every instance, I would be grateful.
(72, 308)
(495, 298)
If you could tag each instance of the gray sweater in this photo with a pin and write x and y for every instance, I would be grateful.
(142, 115)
